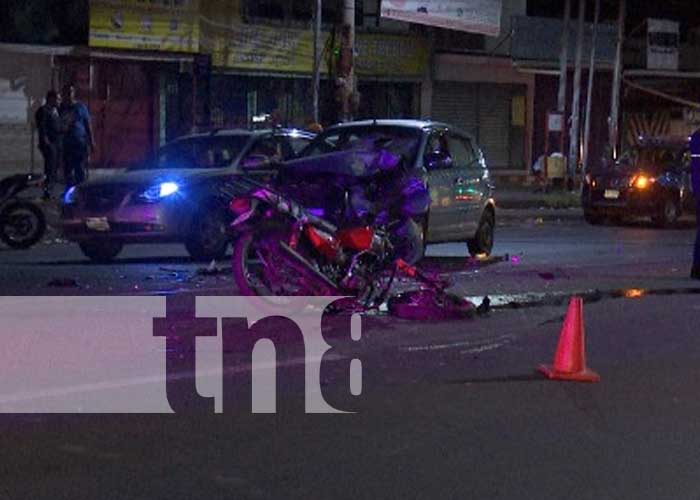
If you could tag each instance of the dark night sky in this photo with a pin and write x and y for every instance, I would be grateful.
(685, 11)
(44, 21)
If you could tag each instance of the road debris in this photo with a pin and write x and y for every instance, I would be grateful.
(212, 270)
(63, 283)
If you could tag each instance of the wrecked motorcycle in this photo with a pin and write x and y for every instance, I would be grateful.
(22, 222)
(283, 248)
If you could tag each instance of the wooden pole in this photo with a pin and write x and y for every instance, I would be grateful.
(317, 59)
(347, 56)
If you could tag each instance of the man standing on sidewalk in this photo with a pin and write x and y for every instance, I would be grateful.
(695, 177)
(48, 124)
(77, 139)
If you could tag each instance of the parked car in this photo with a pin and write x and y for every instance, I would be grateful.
(650, 180)
(451, 164)
(176, 196)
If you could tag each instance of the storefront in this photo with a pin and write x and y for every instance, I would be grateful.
(265, 70)
(159, 71)
(489, 99)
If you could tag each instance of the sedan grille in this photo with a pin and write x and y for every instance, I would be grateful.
(103, 197)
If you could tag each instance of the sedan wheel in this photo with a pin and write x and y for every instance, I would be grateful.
(208, 239)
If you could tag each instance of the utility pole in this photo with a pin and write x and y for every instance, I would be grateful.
(346, 71)
(317, 20)
(617, 77)
(589, 98)
(576, 99)
(564, 58)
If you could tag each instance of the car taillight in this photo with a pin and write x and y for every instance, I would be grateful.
(239, 205)
(642, 181)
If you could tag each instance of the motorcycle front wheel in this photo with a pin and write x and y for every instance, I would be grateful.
(22, 224)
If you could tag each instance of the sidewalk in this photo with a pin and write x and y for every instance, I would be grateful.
(522, 203)
(527, 198)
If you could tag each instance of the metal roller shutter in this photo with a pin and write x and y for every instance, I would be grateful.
(456, 104)
(494, 124)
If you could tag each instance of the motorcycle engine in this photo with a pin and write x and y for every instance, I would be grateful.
(360, 273)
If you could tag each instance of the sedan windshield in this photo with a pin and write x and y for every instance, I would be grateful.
(198, 153)
(399, 140)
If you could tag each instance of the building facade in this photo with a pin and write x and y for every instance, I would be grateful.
(153, 71)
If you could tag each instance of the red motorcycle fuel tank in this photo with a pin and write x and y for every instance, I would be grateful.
(324, 243)
(356, 238)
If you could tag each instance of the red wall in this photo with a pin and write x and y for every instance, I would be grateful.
(122, 98)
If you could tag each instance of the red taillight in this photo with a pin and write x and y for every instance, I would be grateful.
(239, 205)
(357, 238)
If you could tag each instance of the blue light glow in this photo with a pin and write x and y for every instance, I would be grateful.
(160, 191)
(69, 196)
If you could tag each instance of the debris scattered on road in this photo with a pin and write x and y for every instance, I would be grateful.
(546, 276)
(171, 270)
(63, 283)
(212, 270)
(485, 307)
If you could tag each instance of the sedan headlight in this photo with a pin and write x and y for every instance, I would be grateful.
(70, 196)
(160, 191)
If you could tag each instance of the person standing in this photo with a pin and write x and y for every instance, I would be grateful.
(48, 124)
(695, 179)
(78, 140)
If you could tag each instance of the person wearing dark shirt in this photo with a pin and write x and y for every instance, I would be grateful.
(77, 137)
(695, 179)
(48, 124)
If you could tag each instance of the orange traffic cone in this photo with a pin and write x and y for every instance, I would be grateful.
(570, 358)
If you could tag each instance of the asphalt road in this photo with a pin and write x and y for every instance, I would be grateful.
(448, 409)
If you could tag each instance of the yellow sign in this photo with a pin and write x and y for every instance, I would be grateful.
(391, 55)
(287, 50)
(215, 27)
(257, 47)
(164, 25)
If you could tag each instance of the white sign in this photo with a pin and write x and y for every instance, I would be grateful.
(472, 16)
(662, 44)
(555, 122)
